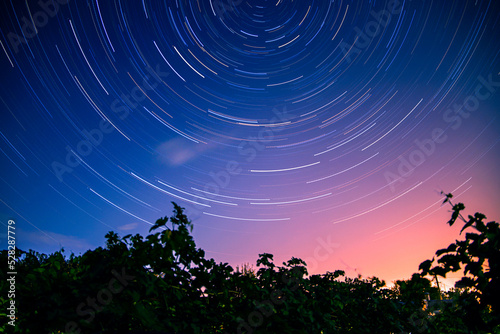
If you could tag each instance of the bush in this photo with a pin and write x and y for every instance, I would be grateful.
(162, 283)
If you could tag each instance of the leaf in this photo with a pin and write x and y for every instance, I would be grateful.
(57, 265)
(266, 260)
(456, 213)
(479, 216)
(473, 268)
(425, 266)
(465, 282)
(448, 196)
(453, 219)
(468, 224)
(450, 261)
(441, 251)
(439, 271)
(159, 223)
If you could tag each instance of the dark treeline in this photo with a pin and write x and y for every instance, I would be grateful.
(163, 283)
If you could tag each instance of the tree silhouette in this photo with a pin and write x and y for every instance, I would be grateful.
(479, 258)
(163, 283)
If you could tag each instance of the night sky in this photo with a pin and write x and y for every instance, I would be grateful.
(324, 130)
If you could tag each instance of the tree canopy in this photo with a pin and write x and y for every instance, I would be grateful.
(163, 283)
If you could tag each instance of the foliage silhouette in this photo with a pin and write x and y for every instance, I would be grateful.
(162, 283)
(479, 257)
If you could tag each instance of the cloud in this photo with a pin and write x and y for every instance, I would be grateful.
(127, 227)
(178, 151)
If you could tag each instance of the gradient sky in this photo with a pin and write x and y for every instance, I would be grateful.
(324, 130)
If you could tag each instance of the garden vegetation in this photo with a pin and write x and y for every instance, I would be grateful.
(163, 283)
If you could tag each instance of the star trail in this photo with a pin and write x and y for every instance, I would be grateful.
(281, 126)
